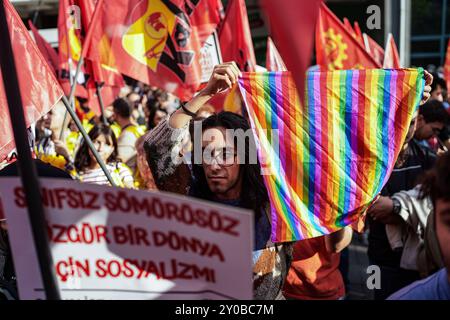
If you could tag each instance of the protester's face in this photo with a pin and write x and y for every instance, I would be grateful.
(109, 112)
(73, 126)
(221, 164)
(48, 120)
(438, 94)
(104, 147)
(45, 122)
(427, 130)
(113, 117)
(442, 211)
(134, 99)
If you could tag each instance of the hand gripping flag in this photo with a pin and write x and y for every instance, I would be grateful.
(326, 160)
(38, 86)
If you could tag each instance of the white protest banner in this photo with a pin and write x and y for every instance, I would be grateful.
(111, 243)
(210, 56)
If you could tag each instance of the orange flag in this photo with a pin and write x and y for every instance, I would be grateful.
(156, 41)
(447, 66)
(391, 57)
(102, 71)
(336, 48)
(274, 62)
(349, 27)
(70, 45)
(235, 38)
(39, 88)
(358, 33)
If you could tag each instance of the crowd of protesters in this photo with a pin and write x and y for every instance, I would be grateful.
(408, 226)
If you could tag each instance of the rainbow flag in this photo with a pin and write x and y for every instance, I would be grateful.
(326, 160)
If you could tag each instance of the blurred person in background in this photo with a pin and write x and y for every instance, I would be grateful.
(88, 170)
(438, 89)
(130, 132)
(154, 113)
(436, 186)
(137, 101)
(44, 135)
(411, 163)
(431, 122)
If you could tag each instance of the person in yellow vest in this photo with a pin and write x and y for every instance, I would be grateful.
(116, 129)
(73, 139)
(130, 132)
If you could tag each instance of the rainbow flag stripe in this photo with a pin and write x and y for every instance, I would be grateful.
(326, 160)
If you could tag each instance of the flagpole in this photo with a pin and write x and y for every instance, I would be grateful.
(86, 43)
(73, 85)
(72, 101)
(88, 140)
(27, 169)
(98, 87)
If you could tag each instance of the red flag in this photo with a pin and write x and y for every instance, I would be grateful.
(38, 86)
(391, 57)
(447, 67)
(46, 49)
(156, 41)
(349, 27)
(102, 71)
(70, 45)
(358, 34)
(274, 62)
(208, 19)
(291, 16)
(69, 36)
(374, 49)
(235, 38)
(336, 48)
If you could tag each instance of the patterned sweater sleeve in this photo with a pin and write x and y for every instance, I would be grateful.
(163, 146)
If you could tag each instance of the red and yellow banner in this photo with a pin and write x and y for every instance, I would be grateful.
(336, 47)
(157, 42)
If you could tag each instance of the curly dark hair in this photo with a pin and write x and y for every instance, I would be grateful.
(83, 158)
(436, 182)
(122, 107)
(434, 111)
(254, 195)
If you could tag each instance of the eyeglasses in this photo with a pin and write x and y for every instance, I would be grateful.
(224, 158)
